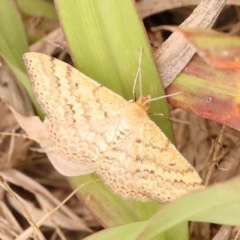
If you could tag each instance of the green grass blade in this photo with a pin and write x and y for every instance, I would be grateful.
(13, 44)
(200, 206)
(23, 78)
(126, 232)
(105, 40)
(218, 204)
(43, 8)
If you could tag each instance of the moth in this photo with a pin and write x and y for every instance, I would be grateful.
(88, 128)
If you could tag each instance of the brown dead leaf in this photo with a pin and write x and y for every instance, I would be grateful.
(175, 52)
(219, 50)
(211, 95)
(147, 8)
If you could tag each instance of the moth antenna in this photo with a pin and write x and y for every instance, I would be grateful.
(165, 96)
(136, 77)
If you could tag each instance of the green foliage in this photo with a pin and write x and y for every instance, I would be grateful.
(38, 8)
(13, 44)
(218, 204)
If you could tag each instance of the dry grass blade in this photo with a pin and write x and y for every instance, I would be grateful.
(10, 220)
(37, 214)
(227, 233)
(65, 217)
(235, 233)
(7, 229)
(23, 209)
(147, 8)
(4, 237)
(223, 233)
(28, 231)
(215, 155)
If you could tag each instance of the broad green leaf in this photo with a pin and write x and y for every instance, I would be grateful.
(43, 8)
(105, 40)
(218, 204)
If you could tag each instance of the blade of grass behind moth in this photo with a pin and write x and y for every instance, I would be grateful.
(105, 41)
(13, 44)
(38, 7)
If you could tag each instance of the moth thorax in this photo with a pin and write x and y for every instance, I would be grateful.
(144, 102)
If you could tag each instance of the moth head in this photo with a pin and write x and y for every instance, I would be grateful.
(144, 102)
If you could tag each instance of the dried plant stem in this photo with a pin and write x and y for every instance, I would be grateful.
(28, 231)
(216, 156)
(23, 209)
